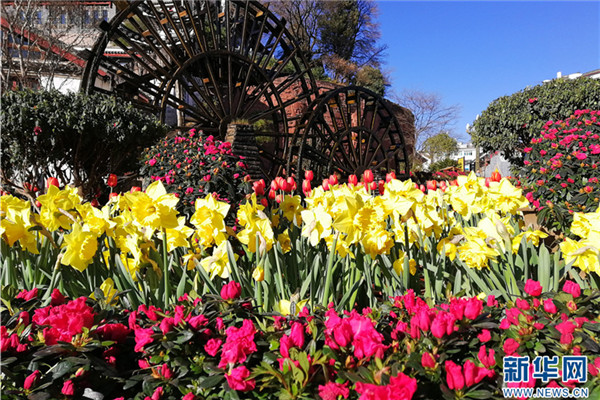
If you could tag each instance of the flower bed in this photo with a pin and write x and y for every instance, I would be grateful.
(221, 347)
(288, 295)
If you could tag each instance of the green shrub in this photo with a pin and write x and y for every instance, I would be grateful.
(74, 137)
(510, 122)
(561, 174)
(192, 166)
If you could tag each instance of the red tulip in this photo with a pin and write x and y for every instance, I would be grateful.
(279, 198)
(368, 176)
(274, 185)
(259, 187)
(52, 182)
(373, 185)
(306, 189)
(264, 202)
(282, 183)
(112, 180)
(136, 189)
(390, 176)
(291, 184)
(353, 180)
(333, 179)
(325, 184)
(272, 194)
(487, 182)
(422, 188)
(309, 175)
(496, 176)
(381, 186)
(431, 185)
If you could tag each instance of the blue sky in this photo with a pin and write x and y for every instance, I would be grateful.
(472, 52)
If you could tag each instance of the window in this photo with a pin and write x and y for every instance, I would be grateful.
(105, 15)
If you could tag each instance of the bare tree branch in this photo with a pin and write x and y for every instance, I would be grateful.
(432, 117)
(40, 42)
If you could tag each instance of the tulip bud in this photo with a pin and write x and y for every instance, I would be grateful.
(112, 180)
(368, 176)
(291, 184)
(422, 188)
(496, 176)
(333, 179)
(52, 182)
(306, 189)
(274, 185)
(282, 183)
(373, 185)
(259, 187)
(325, 184)
(353, 180)
(264, 202)
(272, 194)
(309, 175)
(381, 186)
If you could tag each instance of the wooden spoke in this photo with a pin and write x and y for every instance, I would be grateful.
(348, 130)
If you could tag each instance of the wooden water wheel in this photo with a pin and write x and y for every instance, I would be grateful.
(347, 131)
(205, 64)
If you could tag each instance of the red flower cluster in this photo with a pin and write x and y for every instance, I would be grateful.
(64, 321)
(561, 169)
(192, 165)
(401, 387)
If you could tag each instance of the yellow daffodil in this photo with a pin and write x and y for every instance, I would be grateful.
(446, 247)
(284, 307)
(317, 224)
(284, 241)
(291, 208)
(110, 293)
(258, 274)
(530, 236)
(58, 206)
(506, 197)
(583, 254)
(177, 237)
(476, 253)
(80, 248)
(218, 263)
(154, 209)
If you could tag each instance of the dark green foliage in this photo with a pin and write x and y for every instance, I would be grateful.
(510, 122)
(440, 146)
(75, 137)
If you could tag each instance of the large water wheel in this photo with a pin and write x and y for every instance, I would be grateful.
(206, 64)
(347, 131)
